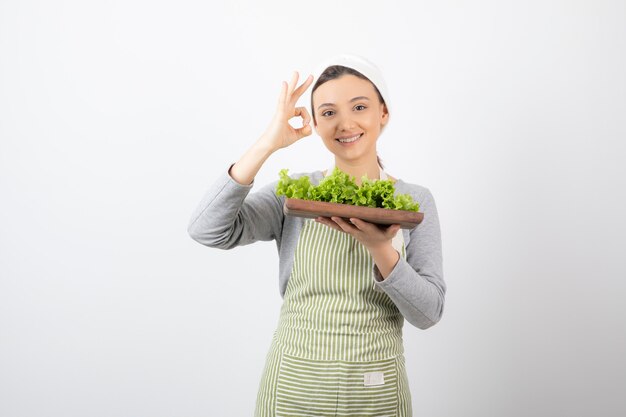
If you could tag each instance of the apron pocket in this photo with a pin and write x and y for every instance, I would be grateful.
(306, 386)
(369, 388)
(327, 387)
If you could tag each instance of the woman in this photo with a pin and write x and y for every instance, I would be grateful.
(347, 286)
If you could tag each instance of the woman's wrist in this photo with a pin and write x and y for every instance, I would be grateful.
(385, 257)
(246, 168)
(263, 146)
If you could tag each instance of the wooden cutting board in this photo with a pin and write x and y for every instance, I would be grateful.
(312, 209)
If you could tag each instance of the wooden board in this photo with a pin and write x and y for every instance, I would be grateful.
(312, 209)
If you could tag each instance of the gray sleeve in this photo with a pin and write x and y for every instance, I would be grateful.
(416, 284)
(229, 215)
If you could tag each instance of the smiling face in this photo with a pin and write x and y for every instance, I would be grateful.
(345, 108)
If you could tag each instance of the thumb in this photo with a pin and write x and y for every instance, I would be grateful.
(393, 229)
(303, 131)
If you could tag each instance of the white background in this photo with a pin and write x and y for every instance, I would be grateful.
(116, 116)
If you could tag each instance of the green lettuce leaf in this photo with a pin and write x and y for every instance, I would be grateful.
(339, 187)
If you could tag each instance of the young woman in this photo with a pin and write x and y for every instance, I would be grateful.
(346, 286)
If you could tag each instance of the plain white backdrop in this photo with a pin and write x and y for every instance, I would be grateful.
(116, 116)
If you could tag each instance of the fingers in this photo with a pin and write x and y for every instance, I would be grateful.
(329, 223)
(389, 231)
(300, 90)
(293, 93)
(345, 226)
(304, 113)
(304, 131)
(354, 225)
(289, 94)
(393, 230)
(364, 231)
(292, 84)
(282, 96)
(361, 224)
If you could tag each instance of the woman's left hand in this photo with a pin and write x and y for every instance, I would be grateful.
(370, 235)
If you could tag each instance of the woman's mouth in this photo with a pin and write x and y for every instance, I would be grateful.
(347, 141)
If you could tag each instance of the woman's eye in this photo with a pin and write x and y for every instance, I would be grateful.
(325, 114)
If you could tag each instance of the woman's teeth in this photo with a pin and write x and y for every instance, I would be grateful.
(347, 140)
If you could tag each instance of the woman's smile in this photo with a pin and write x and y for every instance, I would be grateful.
(349, 118)
(346, 141)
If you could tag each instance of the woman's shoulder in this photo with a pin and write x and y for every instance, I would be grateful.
(404, 187)
(419, 192)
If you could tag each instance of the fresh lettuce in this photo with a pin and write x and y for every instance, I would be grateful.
(339, 187)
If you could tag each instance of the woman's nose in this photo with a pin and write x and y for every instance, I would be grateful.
(346, 123)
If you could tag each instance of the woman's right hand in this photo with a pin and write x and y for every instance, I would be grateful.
(280, 134)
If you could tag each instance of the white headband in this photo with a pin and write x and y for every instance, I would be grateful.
(362, 65)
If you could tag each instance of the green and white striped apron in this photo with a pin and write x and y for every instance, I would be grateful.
(338, 348)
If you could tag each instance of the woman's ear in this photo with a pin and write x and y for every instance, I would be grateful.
(385, 116)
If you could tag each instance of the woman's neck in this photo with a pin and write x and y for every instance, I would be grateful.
(371, 169)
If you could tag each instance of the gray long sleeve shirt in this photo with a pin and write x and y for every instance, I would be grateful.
(229, 215)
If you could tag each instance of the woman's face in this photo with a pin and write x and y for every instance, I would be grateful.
(345, 107)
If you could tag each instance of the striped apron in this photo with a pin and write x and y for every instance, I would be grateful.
(338, 348)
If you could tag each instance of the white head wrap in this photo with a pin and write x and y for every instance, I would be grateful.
(362, 65)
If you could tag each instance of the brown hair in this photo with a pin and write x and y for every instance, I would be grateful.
(336, 71)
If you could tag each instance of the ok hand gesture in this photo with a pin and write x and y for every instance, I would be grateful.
(280, 133)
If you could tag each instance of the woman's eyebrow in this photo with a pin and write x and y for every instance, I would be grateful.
(351, 100)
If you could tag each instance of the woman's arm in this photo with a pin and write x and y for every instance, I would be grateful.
(244, 170)
(229, 215)
(226, 216)
(416, 285)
